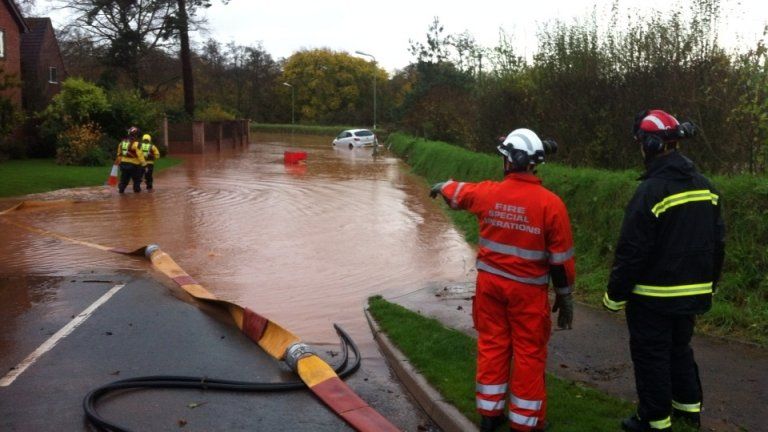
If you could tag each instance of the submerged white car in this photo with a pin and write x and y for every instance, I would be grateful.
(355, 138)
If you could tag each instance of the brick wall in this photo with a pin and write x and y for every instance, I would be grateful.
(11, 63)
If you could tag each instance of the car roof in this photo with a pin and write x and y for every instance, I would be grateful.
(356, 130)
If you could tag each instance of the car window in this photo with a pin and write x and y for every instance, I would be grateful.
(364, 133)
(347, 134)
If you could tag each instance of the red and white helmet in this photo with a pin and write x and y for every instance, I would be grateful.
(656, 121)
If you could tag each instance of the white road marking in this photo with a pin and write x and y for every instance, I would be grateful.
(59, 335)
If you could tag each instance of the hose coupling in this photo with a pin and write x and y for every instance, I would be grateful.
(295, 352)
(150, 249)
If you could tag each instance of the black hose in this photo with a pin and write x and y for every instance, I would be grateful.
(343, 370)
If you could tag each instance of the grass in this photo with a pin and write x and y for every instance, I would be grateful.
(307, 129)
(26, 176)
(446, 358)
(596, 199)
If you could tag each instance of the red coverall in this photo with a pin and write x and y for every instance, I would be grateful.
(524, 229)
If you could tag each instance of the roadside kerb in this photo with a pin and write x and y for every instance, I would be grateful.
(445, 415)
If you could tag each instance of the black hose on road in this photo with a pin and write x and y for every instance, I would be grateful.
(343, 370)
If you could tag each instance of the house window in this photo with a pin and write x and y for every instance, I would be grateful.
(2, 43)
(52, 75)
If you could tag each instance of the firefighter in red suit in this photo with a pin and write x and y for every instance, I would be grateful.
(525, 241)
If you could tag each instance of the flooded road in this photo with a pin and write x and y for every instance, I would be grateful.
(304, 245)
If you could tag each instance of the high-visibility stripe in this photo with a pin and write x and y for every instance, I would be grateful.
(541, 280)
(491, 389)
(533, 255)
(693, 408)
(488, 405)
(560, 257)
(682, 198)
(523, 420)
(534, 405)
(673, 290)
(661, 424)
(454, 202)
(613, 305)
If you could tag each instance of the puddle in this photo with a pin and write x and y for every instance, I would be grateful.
(303, 244)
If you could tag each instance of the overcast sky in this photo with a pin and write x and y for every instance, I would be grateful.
(383, 28)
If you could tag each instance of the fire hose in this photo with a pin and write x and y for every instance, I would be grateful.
(324, 381)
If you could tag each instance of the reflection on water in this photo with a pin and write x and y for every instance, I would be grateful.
(303, 244)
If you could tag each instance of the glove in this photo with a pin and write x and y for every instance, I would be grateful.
(434, 191)
(564, 304)
(612, 306)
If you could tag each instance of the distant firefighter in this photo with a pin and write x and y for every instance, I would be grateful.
(131, 161)
(151, 154)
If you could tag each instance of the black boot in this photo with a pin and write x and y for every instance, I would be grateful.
(634, 424)
(693, 419)
(490, 424)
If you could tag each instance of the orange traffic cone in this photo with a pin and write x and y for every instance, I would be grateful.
(112, 180)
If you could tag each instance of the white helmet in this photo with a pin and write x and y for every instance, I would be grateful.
(522, 147)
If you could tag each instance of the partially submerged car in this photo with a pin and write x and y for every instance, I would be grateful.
(355, 138)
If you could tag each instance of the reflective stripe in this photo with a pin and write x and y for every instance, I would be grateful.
(661, 424)
(528, 254)
(563, 290)
(682, 198)
(491, 389)
(655, 120)
(613, 305)
(523, 420)
(541, 280)
(673, 290)
(693, 408)
(454, 203)
(489, 405)
(560, 257)
(524, 403)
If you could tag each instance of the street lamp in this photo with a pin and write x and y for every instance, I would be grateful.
(288, 85)
(374, 84)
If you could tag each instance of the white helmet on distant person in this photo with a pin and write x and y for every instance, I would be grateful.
(522, 147)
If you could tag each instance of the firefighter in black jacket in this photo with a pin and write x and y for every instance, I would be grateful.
(667, 262)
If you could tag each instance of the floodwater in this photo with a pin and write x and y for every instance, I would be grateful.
(304, 245)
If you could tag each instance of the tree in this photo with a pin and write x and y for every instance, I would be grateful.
(128, 29)
(331, 87)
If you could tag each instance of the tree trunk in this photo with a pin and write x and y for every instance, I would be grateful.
(186, 59)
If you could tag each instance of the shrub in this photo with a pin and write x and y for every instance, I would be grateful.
(128, 108)
(80, 145)
(79, 102)
(213, 112)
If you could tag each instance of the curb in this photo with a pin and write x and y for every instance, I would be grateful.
(445, 415)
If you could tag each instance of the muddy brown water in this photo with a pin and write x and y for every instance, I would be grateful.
(304, 245)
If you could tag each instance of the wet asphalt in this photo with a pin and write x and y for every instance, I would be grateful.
(150, 328)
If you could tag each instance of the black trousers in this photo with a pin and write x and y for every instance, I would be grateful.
(665, 369)
(130, 172)
(148, 179)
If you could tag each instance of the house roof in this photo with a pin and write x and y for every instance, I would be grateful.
(16, 13)
(32, 41)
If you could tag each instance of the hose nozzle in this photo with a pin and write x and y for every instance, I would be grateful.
(150, 249)
(296, 352)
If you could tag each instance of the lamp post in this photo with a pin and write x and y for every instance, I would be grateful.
(374, 84)
(288, 85)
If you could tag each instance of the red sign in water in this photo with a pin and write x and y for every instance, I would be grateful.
(294, 157)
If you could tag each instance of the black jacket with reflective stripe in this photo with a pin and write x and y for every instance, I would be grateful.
(672, 240)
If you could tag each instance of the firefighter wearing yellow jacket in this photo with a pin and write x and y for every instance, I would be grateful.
(131, 161)
(151, 154)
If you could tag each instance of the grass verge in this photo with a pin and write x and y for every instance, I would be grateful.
(309, 129)
(446, 358)
(26, 176)
(596, 200)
